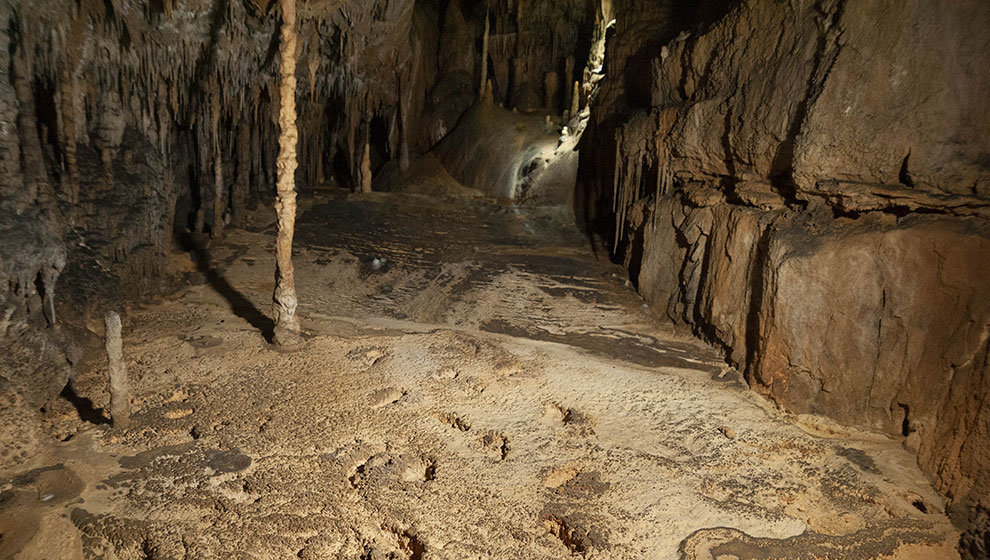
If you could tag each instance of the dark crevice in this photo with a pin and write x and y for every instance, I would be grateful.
(906, 423)
(903, 175)
(839, 212)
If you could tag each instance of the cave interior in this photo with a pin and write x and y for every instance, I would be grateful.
(424, 279)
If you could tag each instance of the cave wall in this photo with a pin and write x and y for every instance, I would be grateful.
(128, 126)
(806, 184)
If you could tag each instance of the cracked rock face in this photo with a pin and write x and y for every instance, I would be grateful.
(806, 185)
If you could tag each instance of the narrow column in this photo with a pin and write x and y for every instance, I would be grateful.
(219, 200)
(284, 309)
(366, 167)
(484, 59)
(119, 405)
(576, 100)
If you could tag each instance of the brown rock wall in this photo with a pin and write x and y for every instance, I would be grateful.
(806, 186)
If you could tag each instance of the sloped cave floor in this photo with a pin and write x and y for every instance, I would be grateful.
(475, 383)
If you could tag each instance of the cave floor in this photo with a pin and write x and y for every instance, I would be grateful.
(488, 389)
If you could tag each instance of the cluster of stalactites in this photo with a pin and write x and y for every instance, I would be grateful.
(205, 67)
(642, 171)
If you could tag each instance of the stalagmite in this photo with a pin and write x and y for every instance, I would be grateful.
(284, 309)
(366, 168)
(576, 99)
(484, 59)
(119, 398)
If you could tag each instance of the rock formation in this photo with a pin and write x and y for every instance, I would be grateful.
(806, 186)
(119, 395)
(285, 303)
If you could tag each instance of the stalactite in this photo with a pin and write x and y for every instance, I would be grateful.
(287, 330)
(314, 65)
(218, 187)
(617, 175)
(30, 147)
(11, 176)
(204, 163)
(484, 58)
(67, 121)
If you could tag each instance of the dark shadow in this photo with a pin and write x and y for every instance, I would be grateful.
(240, 305)
(84, 407)
(378, 139)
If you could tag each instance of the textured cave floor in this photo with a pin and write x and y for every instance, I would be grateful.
(491, 390)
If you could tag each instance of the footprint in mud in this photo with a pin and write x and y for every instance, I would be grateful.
(559, 528)
(495, 445)
(383, 468)
(454, 421)
(575, 529)
(385, 397)
(203, 341)
(417, 469)
(368, 356)
(395, 543)
(364, 469)
(446, 374)
(584, 486)
(558, 415)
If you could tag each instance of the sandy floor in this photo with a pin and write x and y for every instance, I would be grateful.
(488, 389)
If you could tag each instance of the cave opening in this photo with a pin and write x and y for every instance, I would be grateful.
(494, 279)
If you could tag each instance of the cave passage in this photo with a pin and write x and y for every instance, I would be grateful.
(446, 279)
